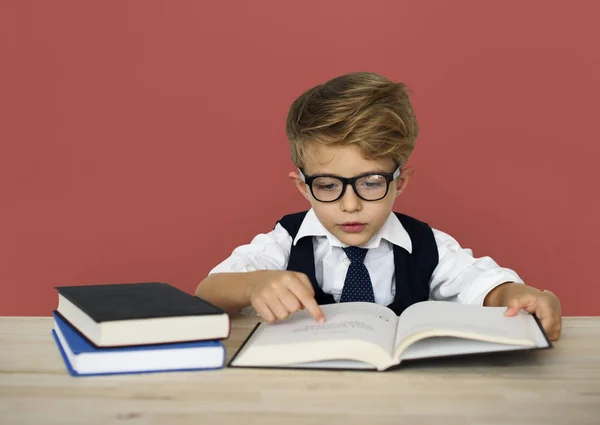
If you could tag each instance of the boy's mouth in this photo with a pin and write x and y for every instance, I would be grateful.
(352, 227)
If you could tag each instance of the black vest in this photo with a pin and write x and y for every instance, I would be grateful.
(412, 271)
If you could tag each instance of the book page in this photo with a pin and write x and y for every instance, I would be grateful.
(359, 332)
(441, 318)
(366, 321)
(332, 364)
(442, 346)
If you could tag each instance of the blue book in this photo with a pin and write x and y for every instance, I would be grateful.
(83, 358)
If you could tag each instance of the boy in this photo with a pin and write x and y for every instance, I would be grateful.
(350, 139)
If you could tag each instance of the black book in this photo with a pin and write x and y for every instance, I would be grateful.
(140, 314)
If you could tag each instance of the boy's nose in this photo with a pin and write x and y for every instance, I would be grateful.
(350, 202)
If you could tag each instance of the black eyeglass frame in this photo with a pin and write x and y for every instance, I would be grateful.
(389, 177)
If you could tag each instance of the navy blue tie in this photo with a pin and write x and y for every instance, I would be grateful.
(357, 286)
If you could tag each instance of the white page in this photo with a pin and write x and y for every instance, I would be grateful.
(367, 321)
(332, 364)
(466, 320)
(449, 346)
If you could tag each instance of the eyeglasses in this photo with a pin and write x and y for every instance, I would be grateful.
(368, 187)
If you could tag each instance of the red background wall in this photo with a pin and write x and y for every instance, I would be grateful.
(144, 141)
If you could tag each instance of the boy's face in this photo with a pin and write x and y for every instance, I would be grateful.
(351, 219)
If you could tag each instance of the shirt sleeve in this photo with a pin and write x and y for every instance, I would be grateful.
(463, 278)
(269, 251)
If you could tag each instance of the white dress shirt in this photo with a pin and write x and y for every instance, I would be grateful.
(458, 276)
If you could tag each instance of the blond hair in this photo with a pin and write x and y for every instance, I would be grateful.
(361, 108)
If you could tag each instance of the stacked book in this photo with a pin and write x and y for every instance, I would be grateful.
(137, 327)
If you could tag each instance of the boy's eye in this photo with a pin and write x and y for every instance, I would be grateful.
(372, 182)
(326, 184)
(330, 186)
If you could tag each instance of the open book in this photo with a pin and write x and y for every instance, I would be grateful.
(370, 336)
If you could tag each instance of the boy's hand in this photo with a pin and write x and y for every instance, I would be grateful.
(281, 293)
(544, 304)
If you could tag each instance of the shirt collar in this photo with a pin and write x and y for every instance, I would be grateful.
(392, 231)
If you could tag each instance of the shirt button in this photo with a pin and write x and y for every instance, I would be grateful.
(347, 261)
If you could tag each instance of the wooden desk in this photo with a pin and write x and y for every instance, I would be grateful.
(558, 386)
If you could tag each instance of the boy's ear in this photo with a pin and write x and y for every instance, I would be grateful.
(403, 179)
(299, 183)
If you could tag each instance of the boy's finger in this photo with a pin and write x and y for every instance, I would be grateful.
(525, 302)
(302, 278)
(290, 301)
(511, 311)
(309, 302)
(550, 321)
(263, 309)
(551, 328)
(278, 308)
(311, 305)
(513, 306)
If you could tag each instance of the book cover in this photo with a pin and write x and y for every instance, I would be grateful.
(140, 314)
(126, 301)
